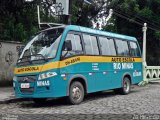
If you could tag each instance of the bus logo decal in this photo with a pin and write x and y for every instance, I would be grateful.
(123, 66)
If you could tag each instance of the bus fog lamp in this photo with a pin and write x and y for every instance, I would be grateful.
(14, 78)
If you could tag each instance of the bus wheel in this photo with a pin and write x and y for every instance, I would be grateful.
(39, 100)
(126, 86)
(76, 93)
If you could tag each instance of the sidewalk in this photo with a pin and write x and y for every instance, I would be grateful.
(7, 95)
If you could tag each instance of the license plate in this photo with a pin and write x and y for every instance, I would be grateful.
(25, 85)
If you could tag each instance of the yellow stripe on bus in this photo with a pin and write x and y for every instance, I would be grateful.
(71, 61)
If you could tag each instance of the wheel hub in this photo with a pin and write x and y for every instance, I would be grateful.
(76, 93)
(126, 86)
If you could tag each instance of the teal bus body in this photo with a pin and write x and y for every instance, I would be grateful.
(95, 72)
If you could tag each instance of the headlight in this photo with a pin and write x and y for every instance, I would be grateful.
(15, 78)
(46, 75)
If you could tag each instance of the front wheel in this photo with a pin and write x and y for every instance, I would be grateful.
(76, 93)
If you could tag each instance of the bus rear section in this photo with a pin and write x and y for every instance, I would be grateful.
(86, 61)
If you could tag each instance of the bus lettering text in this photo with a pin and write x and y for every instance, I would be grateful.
(72, 61)
(124, 59)
(28, 69)
(123, 66)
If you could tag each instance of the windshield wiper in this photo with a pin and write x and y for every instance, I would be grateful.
(25, 57)
(28, 58)
(24, 61)
(43, 57)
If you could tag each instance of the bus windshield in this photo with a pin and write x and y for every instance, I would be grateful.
(42, 46)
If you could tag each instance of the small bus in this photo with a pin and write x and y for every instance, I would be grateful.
(72, 61)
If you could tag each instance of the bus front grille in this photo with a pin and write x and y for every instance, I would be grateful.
(27, 90)
(27, 79)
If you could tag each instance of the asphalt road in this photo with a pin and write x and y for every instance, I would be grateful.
(142, 103)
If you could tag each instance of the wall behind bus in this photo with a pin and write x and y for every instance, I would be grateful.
(9, 52)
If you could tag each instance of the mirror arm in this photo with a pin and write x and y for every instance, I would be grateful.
(65, 54)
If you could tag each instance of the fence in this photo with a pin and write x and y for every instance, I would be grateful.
(152, 73)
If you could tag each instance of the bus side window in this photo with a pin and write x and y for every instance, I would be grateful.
(107, 46)
(134, 49)
(91, 44)
(122, 47)
(76, 45)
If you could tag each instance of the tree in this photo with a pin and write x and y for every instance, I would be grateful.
(18, 21)
(129, 18)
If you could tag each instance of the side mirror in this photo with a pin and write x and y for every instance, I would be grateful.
(67, 45)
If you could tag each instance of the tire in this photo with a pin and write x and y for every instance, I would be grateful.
(76, 93)
(126, 87)
(39, 100)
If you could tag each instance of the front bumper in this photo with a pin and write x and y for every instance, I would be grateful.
(54, 88)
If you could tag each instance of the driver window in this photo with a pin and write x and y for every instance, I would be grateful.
(76, 46)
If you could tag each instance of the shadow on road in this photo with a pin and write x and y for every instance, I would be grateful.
(59, 102)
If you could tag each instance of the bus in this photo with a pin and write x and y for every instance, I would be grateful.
(72, 61)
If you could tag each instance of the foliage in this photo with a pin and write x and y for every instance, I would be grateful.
(19, 19)
(157, 34)
(130, 16)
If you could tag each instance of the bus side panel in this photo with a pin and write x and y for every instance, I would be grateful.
(110, 78)
(104, 76)
(101, 75)
(137, 74)
(83, 69)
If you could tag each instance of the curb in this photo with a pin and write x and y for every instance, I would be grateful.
(154, 82)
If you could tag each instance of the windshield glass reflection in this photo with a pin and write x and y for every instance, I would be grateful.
(43, 46)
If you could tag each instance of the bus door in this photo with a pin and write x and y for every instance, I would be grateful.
(107, 75)
(74, 60)
(92, 60)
